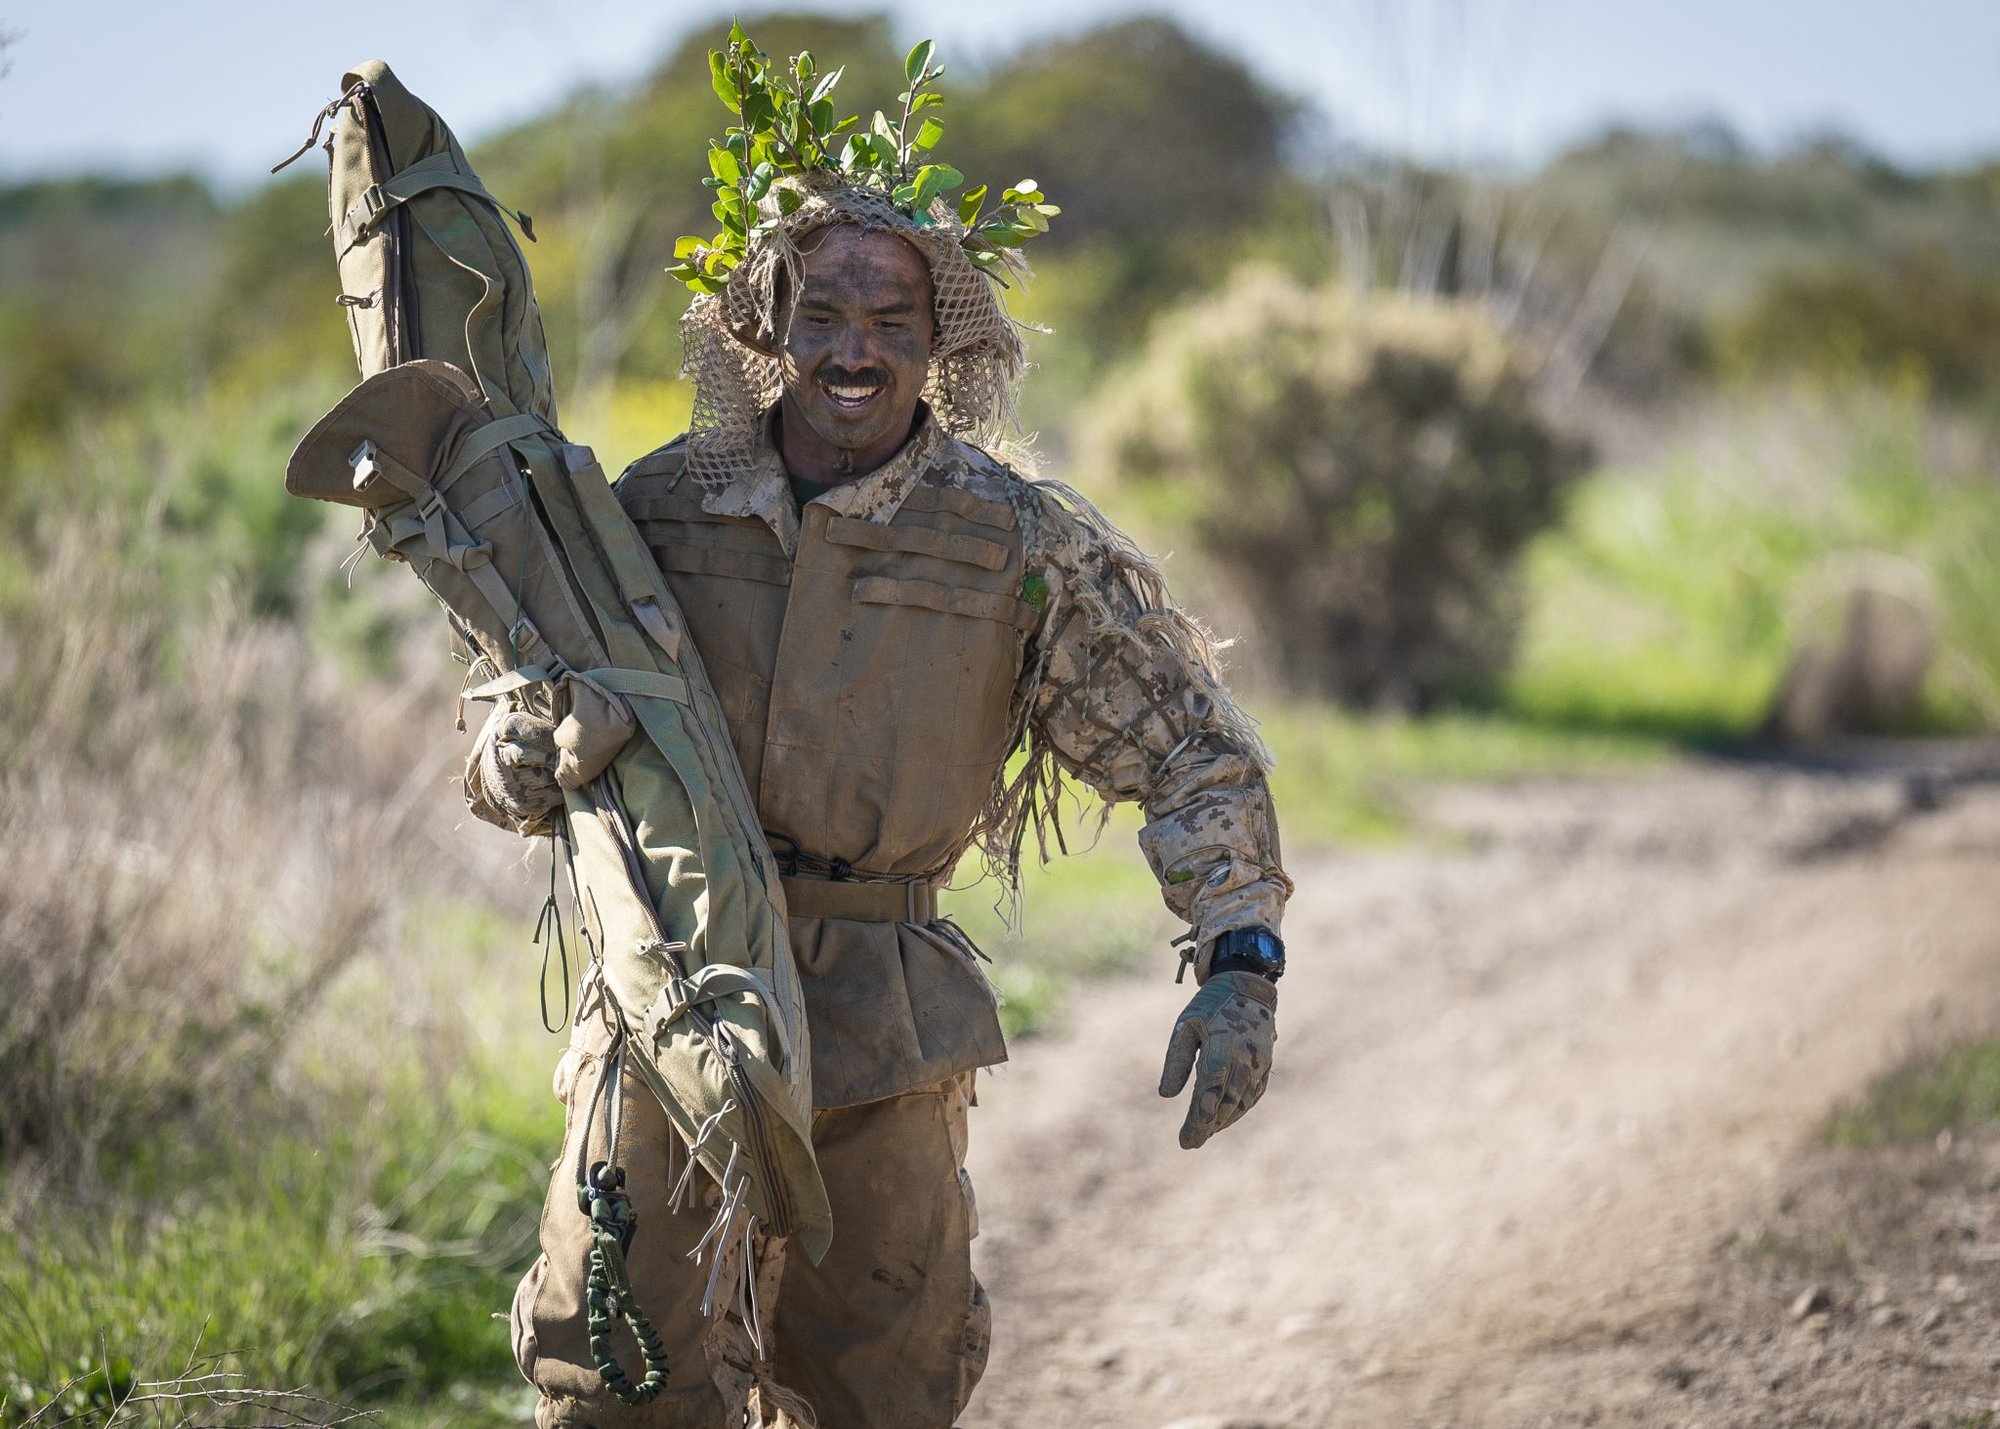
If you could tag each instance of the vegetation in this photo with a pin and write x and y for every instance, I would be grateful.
(1365, 473)
(1952, 1091)
(228, 852)
(785, 129)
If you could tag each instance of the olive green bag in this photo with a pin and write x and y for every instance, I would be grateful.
(449, 446)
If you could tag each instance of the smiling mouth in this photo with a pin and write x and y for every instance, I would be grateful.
(851, 396)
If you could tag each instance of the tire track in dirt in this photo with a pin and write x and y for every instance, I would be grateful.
(1528, 1078)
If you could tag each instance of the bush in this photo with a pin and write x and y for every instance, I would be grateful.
(1919, 317)
(1364, 473)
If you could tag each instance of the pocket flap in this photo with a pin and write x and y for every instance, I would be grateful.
(916, 540)
(723, 561)
(979, 604)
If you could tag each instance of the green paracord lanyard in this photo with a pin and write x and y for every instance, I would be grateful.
(600, 1195)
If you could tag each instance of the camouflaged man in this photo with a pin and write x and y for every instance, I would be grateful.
(888, 611)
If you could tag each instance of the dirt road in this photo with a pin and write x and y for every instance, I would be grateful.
(1531, 1076)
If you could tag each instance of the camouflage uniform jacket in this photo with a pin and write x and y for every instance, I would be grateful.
(880, 654)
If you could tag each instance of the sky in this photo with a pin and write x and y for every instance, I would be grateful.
(227, 87)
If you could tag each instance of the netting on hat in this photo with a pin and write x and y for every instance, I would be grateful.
(977, 357)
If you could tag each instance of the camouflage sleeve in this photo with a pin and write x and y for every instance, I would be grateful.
(1124, 695)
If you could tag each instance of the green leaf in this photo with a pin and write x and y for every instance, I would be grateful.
(719, 78)
(760, 183)
(687, 247)
(821, 115)
(826, 84)
(724, 165)
(789, 201)
(968, 203)
(736, 35)
(919, 60)
(758, 111)
(925, 101)
(929, 134)
(931, 182)
(802, 67)
(880, 124)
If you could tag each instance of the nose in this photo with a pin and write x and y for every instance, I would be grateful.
(852, 349)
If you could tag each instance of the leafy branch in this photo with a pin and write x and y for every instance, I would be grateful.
(786, 126)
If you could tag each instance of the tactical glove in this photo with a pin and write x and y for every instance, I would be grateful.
(1225, 1039)
(510, 776)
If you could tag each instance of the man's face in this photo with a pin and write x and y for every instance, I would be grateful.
(857, 346)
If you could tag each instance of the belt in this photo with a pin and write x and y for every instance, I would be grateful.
(860, 902)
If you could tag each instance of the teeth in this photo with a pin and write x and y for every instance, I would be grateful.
(852, 394)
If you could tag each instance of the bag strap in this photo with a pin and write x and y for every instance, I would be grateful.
(435, 530)
(717, 980)
(438, 171)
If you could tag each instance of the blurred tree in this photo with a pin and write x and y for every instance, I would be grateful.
(95, 280)
(1140, 131)
(1364, 472)
(1163, 152)
(1917, 317)
(270, 314)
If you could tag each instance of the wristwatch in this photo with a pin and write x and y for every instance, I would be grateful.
(1248, 950)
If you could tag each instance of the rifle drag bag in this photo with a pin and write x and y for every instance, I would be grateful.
(463, 475)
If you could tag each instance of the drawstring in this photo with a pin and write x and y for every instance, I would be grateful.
(549, 934)
(319, 123)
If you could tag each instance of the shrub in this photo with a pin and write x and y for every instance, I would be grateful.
(1364, 473)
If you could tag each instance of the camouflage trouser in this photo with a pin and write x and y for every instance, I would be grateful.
(888, 1332)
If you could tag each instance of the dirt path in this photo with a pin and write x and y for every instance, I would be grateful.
(1528, 1080)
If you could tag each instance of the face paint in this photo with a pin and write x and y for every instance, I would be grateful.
(856, 351)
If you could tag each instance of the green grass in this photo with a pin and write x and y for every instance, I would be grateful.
(363, 1262)
(352, 1233)
(1952, 1090)
(1670, 601)
(1347, 779)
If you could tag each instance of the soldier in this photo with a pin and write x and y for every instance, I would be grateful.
(888, 610)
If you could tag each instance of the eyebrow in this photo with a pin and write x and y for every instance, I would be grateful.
(820, 305)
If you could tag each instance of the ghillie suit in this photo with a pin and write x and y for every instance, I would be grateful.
(450, 447)
(977, 365)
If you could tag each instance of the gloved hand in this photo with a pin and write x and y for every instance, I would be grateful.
(1225, 1039)
(510, 776)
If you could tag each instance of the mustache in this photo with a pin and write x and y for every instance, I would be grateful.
(854, 376)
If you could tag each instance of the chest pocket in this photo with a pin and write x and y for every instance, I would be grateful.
(731, 579)
(950, 600)
(934, 595)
